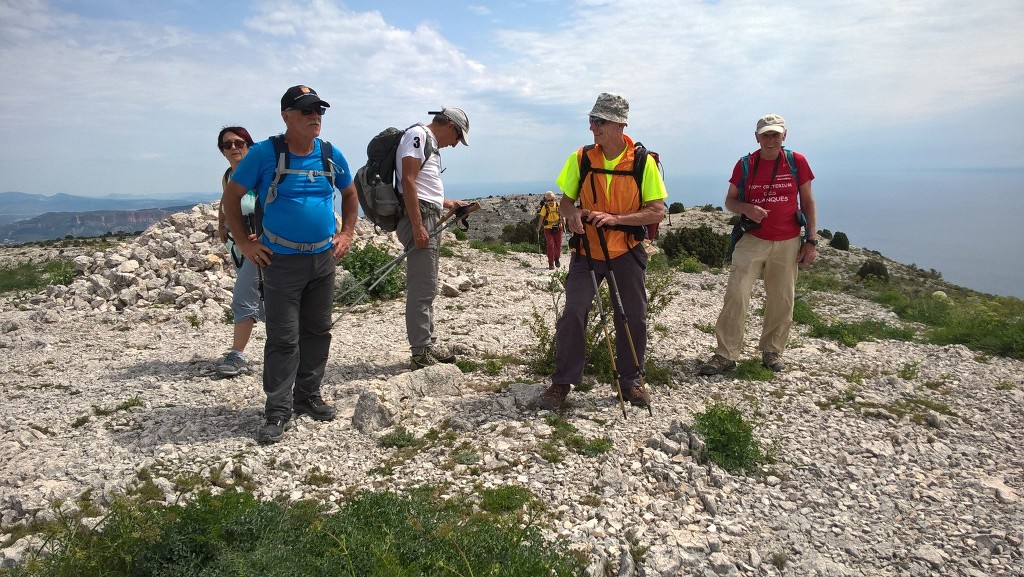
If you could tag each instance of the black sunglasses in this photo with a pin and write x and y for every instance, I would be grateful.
(598, 121)
(320, 110)
(228, 145)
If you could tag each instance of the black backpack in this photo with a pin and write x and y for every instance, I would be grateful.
(375, 182)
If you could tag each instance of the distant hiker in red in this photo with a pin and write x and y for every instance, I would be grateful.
(550, 221)
(770, 189)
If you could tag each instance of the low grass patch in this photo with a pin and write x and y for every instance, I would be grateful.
(850, 334)
(35, 277)
(373, 534)
(565, 434)
(914, 408)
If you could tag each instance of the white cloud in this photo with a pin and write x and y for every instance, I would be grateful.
(148, 99)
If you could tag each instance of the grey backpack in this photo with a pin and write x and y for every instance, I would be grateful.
(375, 182)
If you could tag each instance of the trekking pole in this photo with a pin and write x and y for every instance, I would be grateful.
(461, 213)
(613, 287)
(604, 322)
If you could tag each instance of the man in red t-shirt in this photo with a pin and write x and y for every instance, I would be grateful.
(771, 202)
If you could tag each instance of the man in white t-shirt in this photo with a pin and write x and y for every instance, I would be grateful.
(423, 195)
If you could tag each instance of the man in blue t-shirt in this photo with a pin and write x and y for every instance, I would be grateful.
(297, 250)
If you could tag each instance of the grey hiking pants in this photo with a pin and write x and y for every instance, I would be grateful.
(421, 279)
(299, 292)
(570, 330)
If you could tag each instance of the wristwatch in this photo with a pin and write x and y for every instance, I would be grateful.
(812, 241)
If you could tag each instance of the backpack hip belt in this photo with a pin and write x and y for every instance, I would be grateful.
(299, 246)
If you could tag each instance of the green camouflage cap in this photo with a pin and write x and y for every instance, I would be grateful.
(611, 107)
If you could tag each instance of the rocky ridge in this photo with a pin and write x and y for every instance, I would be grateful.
(894, 458)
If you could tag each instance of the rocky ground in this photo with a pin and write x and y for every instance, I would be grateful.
(892, 458)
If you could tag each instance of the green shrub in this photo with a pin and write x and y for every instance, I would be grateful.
(459, 233)
(524, 231)
(676, 208)
(873, 268)
(690, 265)
(702, 243)
(840, 241)
(363, 262)
(825, 233)
(729, 438)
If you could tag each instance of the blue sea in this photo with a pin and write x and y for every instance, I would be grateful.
(966, 224)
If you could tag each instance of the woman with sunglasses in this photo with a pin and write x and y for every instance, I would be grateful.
(246, 301)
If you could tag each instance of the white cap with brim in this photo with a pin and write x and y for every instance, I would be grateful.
(771, 123)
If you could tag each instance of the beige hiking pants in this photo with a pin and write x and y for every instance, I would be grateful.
(751, 257)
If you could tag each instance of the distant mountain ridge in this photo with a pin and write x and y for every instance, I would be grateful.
(33, 217)
(21, 205)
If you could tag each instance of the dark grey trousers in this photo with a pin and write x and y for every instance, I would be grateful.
(570, 331)
(299, 292)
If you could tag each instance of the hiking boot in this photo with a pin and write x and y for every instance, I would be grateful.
(232, 365)
(424, 359)
(558, 262)
(442, 354)
(272, 430)
(637, 395)
(316, 408)
(716, 366)
(551, 266)
(552, 398)
(773, 361)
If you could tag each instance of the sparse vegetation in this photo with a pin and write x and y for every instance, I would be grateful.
(233, 533)
(363, 263)
(729, 438)
(34, 277)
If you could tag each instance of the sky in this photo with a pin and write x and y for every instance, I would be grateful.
(125, 97)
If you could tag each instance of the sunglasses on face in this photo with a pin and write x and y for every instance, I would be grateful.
(598, 121)
(319, 110)
(229, 144)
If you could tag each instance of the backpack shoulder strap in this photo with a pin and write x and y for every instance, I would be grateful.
(639, 164)
(428, 148)
(744, 175)
(791, 161)
(281, 153)
(327, 159)
(585, 167)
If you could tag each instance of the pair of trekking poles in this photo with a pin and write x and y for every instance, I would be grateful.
(461, 214)
(616, 298)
